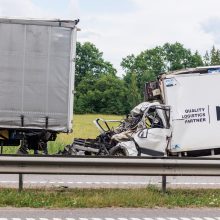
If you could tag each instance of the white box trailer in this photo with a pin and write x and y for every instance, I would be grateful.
(193, 97)
(36, 76)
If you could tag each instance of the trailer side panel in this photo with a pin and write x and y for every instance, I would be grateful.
(36, 74)
(195, 103)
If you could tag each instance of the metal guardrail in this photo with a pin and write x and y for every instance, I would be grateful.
(110, 166)
(133, 166)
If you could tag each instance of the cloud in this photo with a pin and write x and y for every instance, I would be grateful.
(40, 9)
(151, 23)
(18, 8)
(211, 26)
(134, 25)
(88, 35)
(73, 9)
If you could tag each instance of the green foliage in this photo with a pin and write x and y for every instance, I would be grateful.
(176, 56)
(98, 89)
(152, 62)
(148, 64)
(107, 94)
(89, 62)
(206, 59)
(212, 58)
(134, 96)
(196, 60)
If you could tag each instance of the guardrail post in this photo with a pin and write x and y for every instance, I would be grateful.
(164, 184)
(1, 147)
(20, 182)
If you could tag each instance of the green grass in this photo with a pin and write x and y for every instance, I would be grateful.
(83, 127)
(93, 198)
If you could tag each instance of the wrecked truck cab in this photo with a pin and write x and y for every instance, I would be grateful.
(135, 135)
(154, 138)
(153, 131)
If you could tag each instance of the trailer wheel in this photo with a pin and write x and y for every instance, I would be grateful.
(118, 151)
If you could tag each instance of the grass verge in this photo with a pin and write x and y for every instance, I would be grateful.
(98, 198)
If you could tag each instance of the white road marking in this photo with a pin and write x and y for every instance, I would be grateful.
(125, 183)
(158, 218)
(161, 218)
(108, 183)
(197, 183)
(104, 183)
(183, 218)
(194, 183)
(32, 182)
(8, 181)
(196, 218)
(96, 218)
(43, 182)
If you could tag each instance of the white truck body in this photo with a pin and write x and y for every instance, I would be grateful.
(195, 109)
(37, 74)
(192, 97)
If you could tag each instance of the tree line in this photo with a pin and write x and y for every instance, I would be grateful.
(100, 90)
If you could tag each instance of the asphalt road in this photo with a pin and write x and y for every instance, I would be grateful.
(110, 214)
(107, 181)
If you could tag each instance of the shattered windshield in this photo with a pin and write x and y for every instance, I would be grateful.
(158, 117)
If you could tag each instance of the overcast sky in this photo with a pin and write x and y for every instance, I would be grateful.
(122, 27)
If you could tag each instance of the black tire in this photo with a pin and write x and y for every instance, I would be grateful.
(118, 151)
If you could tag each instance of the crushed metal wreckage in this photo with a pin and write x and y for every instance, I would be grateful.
(127, 138)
